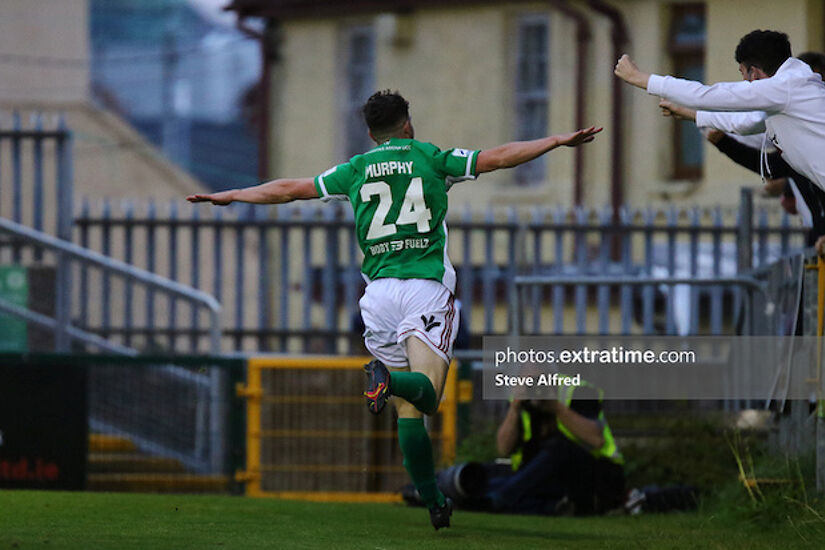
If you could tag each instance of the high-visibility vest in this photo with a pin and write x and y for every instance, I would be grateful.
(608, 450)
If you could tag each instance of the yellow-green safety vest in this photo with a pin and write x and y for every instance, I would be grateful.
(608, 450)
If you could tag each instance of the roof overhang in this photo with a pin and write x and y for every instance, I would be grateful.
(294, 9)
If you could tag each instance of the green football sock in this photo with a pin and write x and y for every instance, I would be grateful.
(415, 388)
(418, 459)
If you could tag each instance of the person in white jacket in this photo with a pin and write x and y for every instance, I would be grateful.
(780, 95)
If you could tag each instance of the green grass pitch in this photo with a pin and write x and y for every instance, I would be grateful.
(56, 520)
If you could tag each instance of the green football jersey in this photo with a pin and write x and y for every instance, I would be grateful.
(399, 194)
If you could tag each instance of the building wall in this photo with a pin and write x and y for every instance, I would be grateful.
(457, 70)
(452, 79)
(45, 50)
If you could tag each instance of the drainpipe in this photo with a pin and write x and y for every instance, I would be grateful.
(619, 38)
(583, 35)
(269, 55)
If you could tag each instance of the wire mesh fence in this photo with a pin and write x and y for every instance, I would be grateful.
(154, 424)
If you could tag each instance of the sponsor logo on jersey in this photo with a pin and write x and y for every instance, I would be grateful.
(379, 248)
(395, 246)
(463, 153)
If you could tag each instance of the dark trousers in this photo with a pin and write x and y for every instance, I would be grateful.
(560, 469)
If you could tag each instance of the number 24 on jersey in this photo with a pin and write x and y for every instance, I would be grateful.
(413, 210)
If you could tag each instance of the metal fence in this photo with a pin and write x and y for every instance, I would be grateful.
(36, 173)
(165, 409)
(288, 277)
(309, 434)
(64, 260)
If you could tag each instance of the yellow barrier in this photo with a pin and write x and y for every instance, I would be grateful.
(256, 431)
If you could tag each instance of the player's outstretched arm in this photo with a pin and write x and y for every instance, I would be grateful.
(674, 110)
(518, 152)
(272, 192)
(630, 73)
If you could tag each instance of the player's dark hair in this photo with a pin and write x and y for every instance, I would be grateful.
(765, 50)
(385, 110)
(816, 60)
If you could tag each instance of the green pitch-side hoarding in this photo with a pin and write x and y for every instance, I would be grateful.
(14, 288)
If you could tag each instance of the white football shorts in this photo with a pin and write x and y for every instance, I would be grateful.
(395, 309)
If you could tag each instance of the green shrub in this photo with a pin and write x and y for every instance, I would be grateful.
(479, 445)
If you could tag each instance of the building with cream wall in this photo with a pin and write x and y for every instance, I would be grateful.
(455, 62)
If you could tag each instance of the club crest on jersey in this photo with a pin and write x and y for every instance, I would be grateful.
(429, 323)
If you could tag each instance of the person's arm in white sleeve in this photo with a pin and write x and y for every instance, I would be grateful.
(744, 124)
(768, 94)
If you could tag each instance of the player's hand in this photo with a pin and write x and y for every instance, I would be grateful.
(788, 204)
(630, 73)
(774, 187)
(220, 199)
(713, 135)
(674, 110)
(553, 405)
(578, 137)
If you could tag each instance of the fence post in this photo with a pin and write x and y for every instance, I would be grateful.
(744, 233)
(65, 219)
(517, 255)
(820, 404)
(329, 276)
(515, 308)
(488, 277)
(744, 253)
(65, 182)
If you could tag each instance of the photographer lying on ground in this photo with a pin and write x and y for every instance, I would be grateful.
(564, 458)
